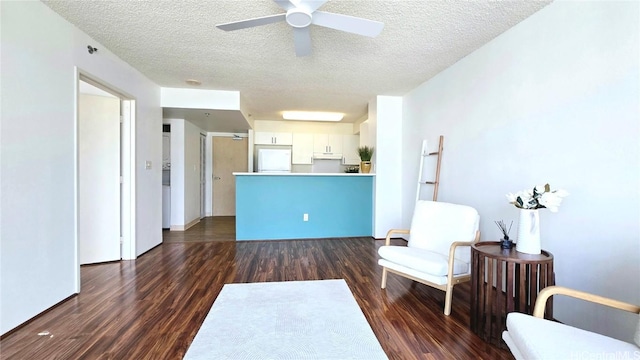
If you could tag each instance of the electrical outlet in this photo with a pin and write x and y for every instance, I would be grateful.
(305, 217)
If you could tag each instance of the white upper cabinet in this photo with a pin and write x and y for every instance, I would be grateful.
(302, 149)
(327, 143)
(283, 138)
(350, 145)
(335, 143)
(273, 138)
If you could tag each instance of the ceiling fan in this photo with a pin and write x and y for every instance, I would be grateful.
(300, 14)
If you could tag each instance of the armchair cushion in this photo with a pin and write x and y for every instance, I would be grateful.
(435, 225)
(536, 338)
(422, 260)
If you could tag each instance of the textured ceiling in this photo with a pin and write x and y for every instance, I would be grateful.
(171, 41)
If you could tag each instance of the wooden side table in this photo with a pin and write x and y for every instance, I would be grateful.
(504, 281)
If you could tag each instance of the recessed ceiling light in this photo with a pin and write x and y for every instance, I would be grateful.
(312, 116)
(193, 82)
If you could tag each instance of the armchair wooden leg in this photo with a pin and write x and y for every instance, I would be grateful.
(384, 278)
(447, 300)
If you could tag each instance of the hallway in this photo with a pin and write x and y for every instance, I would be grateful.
(213, 228)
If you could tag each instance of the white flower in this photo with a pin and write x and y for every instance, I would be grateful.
(527, 199)
(539, 197)
(550, 200)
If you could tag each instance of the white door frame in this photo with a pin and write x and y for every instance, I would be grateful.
(127, 148)
(203, 179)
(128, 205)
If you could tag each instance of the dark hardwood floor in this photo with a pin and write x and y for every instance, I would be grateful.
(151, 308)
(214, 228)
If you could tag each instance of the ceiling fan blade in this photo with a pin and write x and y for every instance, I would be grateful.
(237, 25)
(311, 5)
(351, 24)
(285, 4)
(302, 41)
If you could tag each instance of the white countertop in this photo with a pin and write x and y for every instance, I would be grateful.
(300, 174)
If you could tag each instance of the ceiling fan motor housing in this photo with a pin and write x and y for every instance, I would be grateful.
(298, 18)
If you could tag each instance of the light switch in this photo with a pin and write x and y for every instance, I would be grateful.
(147, 165)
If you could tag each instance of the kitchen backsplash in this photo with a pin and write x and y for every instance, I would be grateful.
(310, 168)
(326, 166)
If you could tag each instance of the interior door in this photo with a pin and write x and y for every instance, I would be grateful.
(203, 146)
(229, 156)
(99, 179)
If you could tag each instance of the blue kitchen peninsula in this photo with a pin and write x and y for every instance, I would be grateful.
(272, 206)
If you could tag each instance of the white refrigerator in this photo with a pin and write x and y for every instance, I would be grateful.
(274, 160)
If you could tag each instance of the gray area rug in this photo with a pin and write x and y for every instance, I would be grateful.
(285, 320)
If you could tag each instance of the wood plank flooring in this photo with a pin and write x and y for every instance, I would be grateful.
(214, 228)
(151, 308)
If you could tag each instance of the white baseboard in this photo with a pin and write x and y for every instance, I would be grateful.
(184, 227)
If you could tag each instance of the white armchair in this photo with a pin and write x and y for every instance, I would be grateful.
(533, 337)
(438, 253)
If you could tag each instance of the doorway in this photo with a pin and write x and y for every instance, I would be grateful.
(229, 156)
(99, 151)
(104, 173)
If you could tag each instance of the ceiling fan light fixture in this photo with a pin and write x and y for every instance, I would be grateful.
(312, 116)
(298, 18)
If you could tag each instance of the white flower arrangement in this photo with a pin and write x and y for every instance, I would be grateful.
(540, 197)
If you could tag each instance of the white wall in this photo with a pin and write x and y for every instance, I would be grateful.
(185, 173)
(364, 134)
(372, 128)
(192, 173)
(387, 164)
(200, 99)
(554, 99)
(40, 51)
(177, 172)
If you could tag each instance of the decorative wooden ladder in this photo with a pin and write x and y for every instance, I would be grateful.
(424, 154)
